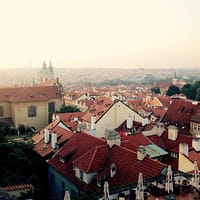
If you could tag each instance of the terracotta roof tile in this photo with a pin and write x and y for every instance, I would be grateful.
(180, 113)
(128, 167)
(29, 94)
(91, 154)
(93, 160)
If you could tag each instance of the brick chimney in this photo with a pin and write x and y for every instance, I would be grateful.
(112, 138)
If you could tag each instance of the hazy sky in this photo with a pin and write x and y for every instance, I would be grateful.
(100, 33)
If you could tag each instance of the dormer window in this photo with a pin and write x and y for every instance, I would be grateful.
(62, 159)
(98, 183)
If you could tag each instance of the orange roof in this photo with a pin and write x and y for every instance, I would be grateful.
(100, 106)
(44, 149)
(29, 94)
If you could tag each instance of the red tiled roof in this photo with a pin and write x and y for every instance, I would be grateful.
(180, 112)
(128, 167)
(194, 156)
(101, 105)
(92, 154)
(70, 116)
(44, 149)
(170, 145)
(165, 100)
(40, 135)
(196, 116)
(29, 94)
(17, 187)
(135, 141)
(78, 144)
(93, 160)
(163, 84)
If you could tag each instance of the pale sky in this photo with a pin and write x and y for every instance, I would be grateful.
(100, 33)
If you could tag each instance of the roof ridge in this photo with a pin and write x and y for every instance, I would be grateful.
(91, 160)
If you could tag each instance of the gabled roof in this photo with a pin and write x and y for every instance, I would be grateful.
(29, 94)
(78, 145)
(100, 106)
(63, 134)
(128, 167)
(92, 154)
(93, 160)
(117, 101)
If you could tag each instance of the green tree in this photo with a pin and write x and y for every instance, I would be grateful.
(172, 90)
(189, 91)
(69, 108)
(197, 97)
(155, 90)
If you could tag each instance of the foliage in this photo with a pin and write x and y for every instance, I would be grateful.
(192, 91)
(155, 90)
(21, 165)
(172, 90)
(21, 128)
(68, 109)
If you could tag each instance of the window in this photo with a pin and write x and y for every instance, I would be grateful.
(81, 175)
(1, 111)
(51, 107)
(32, 111)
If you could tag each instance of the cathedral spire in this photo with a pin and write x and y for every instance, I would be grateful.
(44, 66)
(50, 66)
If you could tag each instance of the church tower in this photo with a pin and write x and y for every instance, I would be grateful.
(51, 71)
(175, 79)
(46, 74)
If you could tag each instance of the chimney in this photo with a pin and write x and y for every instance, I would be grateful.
(141, 153)
(75, 119)
(93, 120)
(113, 169)
(196, 144)
(183, 149)
(172, 132)
(145, 121)
(112, 138)
(129, 122)
(159, 128)
(53, 140)
(46, 136)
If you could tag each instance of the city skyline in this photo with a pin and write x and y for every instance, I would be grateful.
(100, 33)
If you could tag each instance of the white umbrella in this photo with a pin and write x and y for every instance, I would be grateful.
(139, 190)
(169, 180)
(106, 191)
(196, 175)
(67, 196)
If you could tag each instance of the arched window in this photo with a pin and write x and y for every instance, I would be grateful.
(32, 111)
(1, 111)
(51, 107)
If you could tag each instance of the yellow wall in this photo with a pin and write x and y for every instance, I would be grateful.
(184, 164)
(19, 112)
(115, 117)
(6, 109)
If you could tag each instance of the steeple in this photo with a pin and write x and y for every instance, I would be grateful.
(175, 76)
(44, 66)
(50, 67)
